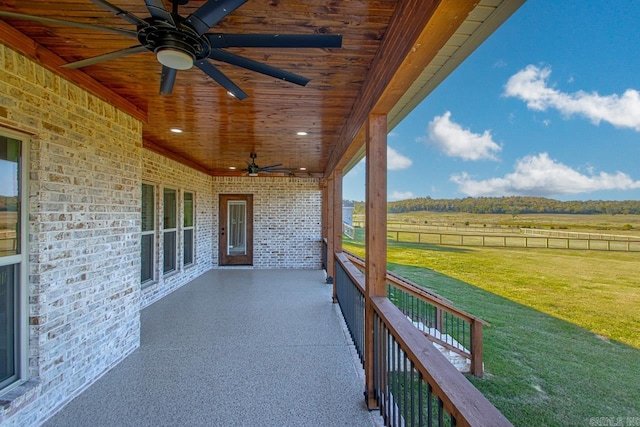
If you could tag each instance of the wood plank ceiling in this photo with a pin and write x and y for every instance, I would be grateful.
(220, 131)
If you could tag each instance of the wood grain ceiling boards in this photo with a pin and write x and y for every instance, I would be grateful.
(220, 131)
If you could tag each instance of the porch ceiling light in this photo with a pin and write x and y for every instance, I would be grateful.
(176, 130)
(302, 133)
(176, 59)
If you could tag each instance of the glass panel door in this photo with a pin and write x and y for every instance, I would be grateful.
(237, 244)
(235, 234)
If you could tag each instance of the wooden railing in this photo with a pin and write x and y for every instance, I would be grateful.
(414, 384)
(435, 317)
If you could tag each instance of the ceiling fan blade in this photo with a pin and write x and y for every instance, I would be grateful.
(212, 12)
(224, 81)
(167, 80)
(107, 57)
(12, 15)
(275, 40)
(158, 10)
(270, 166)
(279, 170)
(258, 67)
(129, 17)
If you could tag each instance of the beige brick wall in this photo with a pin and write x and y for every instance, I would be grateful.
(84, 216)
(163, 172)
(287, 219)
(86, 169)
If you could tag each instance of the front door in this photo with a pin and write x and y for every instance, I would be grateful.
(236, 229)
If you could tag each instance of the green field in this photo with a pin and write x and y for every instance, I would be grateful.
(564, 341)
(606, 224)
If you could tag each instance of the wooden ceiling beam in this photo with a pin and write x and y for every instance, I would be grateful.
(26, 46)
(417, 31)
(174, 156)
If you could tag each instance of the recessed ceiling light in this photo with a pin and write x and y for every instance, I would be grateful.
(232, 168)
(230, 94)
(303, 169)
(301, 134)
(176, 130)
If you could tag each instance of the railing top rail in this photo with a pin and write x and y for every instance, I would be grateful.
(419, 292)
(460, 398)
(356, 275)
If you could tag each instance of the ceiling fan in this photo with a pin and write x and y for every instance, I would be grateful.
(254, 169)
(179, 43)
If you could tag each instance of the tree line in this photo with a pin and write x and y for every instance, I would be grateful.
(513, 205)
(8, 203)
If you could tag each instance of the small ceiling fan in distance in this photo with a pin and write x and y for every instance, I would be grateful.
(254, 169)
(179, 42)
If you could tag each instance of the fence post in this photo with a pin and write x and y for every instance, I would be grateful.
(476, 349)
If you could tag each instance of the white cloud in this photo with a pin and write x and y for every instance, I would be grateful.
(396, 161)
(400, 195)
(531, 86)
(455, 141)
(542, 176)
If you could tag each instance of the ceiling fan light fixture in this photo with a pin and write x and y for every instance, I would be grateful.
(253, 173)
(176, 59)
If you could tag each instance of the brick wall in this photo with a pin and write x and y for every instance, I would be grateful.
(86, 167)
(84, 215)
(163, 172)
(287, 219)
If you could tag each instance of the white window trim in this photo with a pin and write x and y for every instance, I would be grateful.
(192, 227)
(154, 207)
(22, 323)
(177, 241)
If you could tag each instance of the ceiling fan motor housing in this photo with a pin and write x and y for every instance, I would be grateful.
(164, 40)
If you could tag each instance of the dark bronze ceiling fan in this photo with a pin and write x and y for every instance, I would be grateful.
(179, 42)
(254, 169)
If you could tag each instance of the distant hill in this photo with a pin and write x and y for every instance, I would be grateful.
(509, 205)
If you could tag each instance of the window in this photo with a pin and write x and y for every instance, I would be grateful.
(169, 226)
(148, 234)
(12, 260)
(187, 240)
(237, 236)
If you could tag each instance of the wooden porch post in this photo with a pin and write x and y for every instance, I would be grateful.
(336, 216)
(324, 209)
(323, 233)
(330, 233)
(376, 235)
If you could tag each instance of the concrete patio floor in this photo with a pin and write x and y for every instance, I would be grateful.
(235, 347)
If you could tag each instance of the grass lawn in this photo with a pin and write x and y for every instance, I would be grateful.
(564, 345)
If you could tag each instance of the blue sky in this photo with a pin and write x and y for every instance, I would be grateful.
(548, 106)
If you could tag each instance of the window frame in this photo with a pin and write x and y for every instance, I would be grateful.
(152, 232)
(186, 228)
(169, 230)
(20, 262)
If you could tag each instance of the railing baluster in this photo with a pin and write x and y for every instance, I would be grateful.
(429, 406)
(404, 360)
